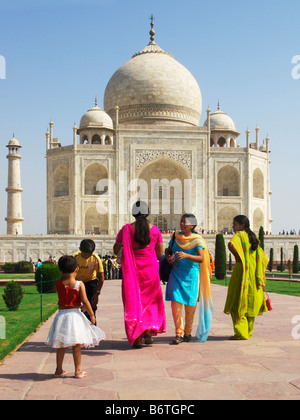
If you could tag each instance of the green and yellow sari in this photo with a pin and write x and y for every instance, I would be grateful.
(245, 296)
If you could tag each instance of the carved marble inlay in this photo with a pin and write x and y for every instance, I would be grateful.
(145, 156)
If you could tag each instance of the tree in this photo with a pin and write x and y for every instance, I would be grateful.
(281, 267)
(296, 259)
(230, 262)
(220, 257)
(12, 295)
(261, 237)
(271, 260)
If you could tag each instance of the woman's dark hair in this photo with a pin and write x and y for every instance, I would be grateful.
(243, 220)
(67, 264)
(191, 218)
(140, 211)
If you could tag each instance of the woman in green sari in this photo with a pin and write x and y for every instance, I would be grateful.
(245, 297)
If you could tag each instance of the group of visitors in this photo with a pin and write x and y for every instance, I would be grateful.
(141, 246)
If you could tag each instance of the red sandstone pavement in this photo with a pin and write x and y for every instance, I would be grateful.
(265, 367)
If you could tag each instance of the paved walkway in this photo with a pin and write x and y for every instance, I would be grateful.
(265, 367)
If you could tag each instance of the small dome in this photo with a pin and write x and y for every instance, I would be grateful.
(263, 147)
(13, 142)
(220, 121)
(96, 118)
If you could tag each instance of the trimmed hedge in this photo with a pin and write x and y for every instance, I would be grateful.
(19, 267)
(12, 295)
(46, 276)
(220, 257)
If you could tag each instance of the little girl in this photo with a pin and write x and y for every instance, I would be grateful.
(70, 327)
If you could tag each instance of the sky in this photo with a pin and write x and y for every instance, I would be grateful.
(57, 55)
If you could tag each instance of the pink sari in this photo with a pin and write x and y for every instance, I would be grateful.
(141, 291)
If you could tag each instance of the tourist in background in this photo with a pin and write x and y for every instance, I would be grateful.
(189, 257)
(142, 246)
(245, 297)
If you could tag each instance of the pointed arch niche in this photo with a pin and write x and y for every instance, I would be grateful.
(95, 222)
(228, 182)
(165, 181)
(61, 181)
(94, 173)
(258, 184)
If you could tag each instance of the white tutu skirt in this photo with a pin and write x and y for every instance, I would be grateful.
(71, 327)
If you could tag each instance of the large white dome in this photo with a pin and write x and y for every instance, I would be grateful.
(154, 86)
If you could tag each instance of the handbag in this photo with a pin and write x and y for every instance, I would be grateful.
(164, 267)
(268, 300)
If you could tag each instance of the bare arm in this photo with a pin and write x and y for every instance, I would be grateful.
(117, 248)
(234, 252)
(159, 249)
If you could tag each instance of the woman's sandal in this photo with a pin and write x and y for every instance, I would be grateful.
(148, 339)
(178, 339)
(187, 338)
(59, 375)
(81, 374)
(137, 343)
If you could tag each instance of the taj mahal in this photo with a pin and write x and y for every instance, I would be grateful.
(146, 143)
(149, 130)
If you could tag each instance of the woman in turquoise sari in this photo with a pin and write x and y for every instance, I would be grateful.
(189, 281)
(245, 297)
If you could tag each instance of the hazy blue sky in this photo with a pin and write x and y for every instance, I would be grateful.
(59, 54)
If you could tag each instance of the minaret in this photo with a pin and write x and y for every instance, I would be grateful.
(14, 203)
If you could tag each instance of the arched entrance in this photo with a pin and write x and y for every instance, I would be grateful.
(167, 188)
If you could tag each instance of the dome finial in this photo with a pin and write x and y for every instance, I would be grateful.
(219, 105)
(96, 101)
(152, 31)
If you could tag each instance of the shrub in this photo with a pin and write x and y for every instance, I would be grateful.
(270, 267)
(220, 257)
(23, 267)
(19, 267)
(51, 274)
(261, 237)
(12, 295)
(296, 259)
(280, 267)
(8, 268)
(230, 263)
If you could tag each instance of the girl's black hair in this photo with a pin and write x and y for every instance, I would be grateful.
(243, 220)
(192, 219)
(140, 211)
(67, 264)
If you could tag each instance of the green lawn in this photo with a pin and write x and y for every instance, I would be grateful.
(24, 321)
(272, 286)
(16, 276)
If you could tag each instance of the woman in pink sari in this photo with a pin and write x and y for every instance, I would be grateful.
(144, 310)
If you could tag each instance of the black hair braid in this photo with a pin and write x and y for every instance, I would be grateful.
(140, 211)
(142, 231)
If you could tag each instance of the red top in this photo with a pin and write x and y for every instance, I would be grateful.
(68, 296)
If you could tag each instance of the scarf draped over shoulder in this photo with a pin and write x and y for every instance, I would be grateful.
(205, 293)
